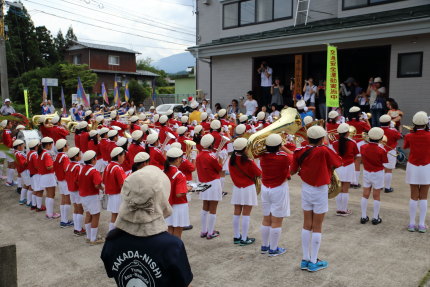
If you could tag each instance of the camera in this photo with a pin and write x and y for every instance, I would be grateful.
(241, 98)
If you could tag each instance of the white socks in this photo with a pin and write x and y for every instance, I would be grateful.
(345, 201)
(203, 220)
(211, 223)
(357, 177)
(306, 238)
(33, 199)
(339, 202)
(413, 204)
(29, 195)
(245, 227)
(265, 234)
(111, 226)
(236, 228)
(423, 212)
(315, 244)
(39, 201)
(342, 201)
(10, 175)
(64, 212)
(19, 182)
(23, 194)
(77, 221)
(93, 234)
(275, 234)
(376, 208)
(387, 179)
(49, 206)
(88, 229)
(363, 207)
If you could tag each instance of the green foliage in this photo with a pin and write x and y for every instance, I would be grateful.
(69, 74)
(146, 65)
(138, 92)
(165, 90)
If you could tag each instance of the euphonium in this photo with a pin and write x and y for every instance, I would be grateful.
(169, 136)
(335, 186)
(35, 119)
(289, 123)
(71, 126)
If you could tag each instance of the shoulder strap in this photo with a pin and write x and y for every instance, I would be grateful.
(88, 171)
(176, 174)
(304, 155)
(242, 172)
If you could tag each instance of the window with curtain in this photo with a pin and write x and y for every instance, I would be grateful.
(264, 10)
(247, 12)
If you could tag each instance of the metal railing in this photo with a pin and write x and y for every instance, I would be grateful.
(166, 99)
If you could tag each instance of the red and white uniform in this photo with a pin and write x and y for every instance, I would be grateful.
(58, 132)
(332, 128)
(71, 175)
(162, 135)
(32, 158)
(187, 168)
(7, 138)
(113, 179)
(156, 157)
(60, 165)
(181, 140)
(374, 156)
(243, 174)
(361, 127)
(206, 126)
(134, 127)
(78, 141)
(84, 138)
(46, 132)
(47, 177)
(133, 150)
(120, 125)
(346, 172)
(21, 167)
(208, 171)
(418, 166)
(127, 164)
(393, 136)
(178, 186)
(104, 149)
(88, 179)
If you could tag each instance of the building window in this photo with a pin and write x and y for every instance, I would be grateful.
(352, 4)
(248, 12)
(410, 65)
(114, 60)
(77, 59)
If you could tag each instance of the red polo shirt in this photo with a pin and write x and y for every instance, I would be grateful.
(133, 150)
(84, 139)
(418, 142)
(32, 162)
(156, 157)
(120, 125)
(275, 168)
(88, 178)
(7, 138)
(20, 162)
(58, 132)
(243, 172)
(187, 168)
(393, 136)
(104, 147)
(113, 178)
(95, 147)
(208, 167)
(44, 160)
(360, 127)
(60, 164)
(351, 151)
(373, 156)
(78, 141)
(72, 175)
(178, 185)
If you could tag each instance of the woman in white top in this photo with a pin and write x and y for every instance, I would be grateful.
(376, 92)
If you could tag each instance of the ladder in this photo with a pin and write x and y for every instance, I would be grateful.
(300, 10)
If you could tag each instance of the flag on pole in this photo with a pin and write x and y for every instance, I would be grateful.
(154, 93)
(104, 94)
(126, 93)
(81, 93)
(45, 91)
(116, 97)
(332, 80)
(63, 101)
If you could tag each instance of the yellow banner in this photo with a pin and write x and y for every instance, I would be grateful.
(332, 80)
(26, 103)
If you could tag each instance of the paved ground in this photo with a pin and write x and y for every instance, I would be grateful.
(359, 255)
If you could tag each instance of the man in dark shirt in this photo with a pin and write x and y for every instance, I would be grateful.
(139, 252)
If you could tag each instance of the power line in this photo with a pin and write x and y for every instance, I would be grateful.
(131, 45)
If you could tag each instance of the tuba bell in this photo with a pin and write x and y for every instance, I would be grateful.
(335, 186)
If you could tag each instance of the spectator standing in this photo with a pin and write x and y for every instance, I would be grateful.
(45, 108)
(51, 107)
(205, 107)
(377, 94)
(96, 105)
(250, 104)
(141, 108)
(266, 83)
(347, 91)
(233, 108)
(276, 91)
(395, 113)
(217, 107)
(73, 110)
(309, 91)
(7, 108)
(322, 101)
(362, 100)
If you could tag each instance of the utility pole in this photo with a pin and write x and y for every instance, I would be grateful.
(3, 64)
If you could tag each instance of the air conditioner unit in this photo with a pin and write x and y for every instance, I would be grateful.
(206, 2)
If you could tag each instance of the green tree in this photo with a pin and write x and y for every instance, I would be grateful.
(146, 64)
(138, 93)
(46, 45)
(69, 74)
(60, 45)
(70, 37)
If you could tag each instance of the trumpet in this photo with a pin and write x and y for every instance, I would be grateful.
(169, 136)
(190, 147)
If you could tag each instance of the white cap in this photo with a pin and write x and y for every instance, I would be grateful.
(142, 116)
(61, 143)
(47, 140)
(141, 157)
(176, 144)
(207, 140)
(17, 143)
(169, 112)
(343, 128)
(89, 155)
(376, 133)
(152, 108)
(261, 116)
(184, 119)
(3, 123)
(20, 127)
(240, 129)
(203, 116)
(273, 140)
(55, 119)
(93, 133)
(152, 138)
(113, 114)
(136, 135)
(222, 113)
(82, 125)
(144, 128)
(116, 151)
(130, 111)
(88, 113)
(103, 130)
(194, 104)
(243, 118)
(316, 132)
(174, 152)
(354, 109)
(308, 120)
(134, 119)
(240, 143)
(181, 130)
(156, 117)
(73, 151)
(385, 119)
(121, 141)
(377, 80)
(7, 100)
(215, 124)
(33, 143)
(300, 105)
(112, 133)
(333, 114)
(163, 119)
(100, 118)
(420, 119)
(198, 129)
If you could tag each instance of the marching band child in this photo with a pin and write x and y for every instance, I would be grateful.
(156, 155)
(113, 179)
(240, 130)
(84, 136)
(104, 146)
(32, 162)
(140, 161)
(187, 167)
(393, 136)
(418, 170)
(374, 157)
(45, 166)
(275, 196)
(315, 163)
(164, 129)
(134, 124)
(115, 122)
(178, 191)
(181, 131)
(60, 165)
(208, 171)
(7, 141)
(72, 172)
(89, 185)
(243, 172)
(135, 146)
(93, 144)
(21, 169)
(332, 125)
(204, 122)
(197, 136)
(57, 131)
(126, 164)
(347, 149)
(111, 144)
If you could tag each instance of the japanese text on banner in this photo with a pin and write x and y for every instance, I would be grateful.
(332, 81)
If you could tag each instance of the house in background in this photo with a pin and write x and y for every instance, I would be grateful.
(110, 63)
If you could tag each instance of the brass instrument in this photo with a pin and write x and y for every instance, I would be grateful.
(71, 126)
(302, 132)
(169, 136)
(352, 132)
(221, 145)
(409, 128)
(190, 146)
(35, 119)
(335, 186)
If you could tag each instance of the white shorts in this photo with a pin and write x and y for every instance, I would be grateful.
(25, 177)
(417, 174)
(315, 198)
(75, 198)
(373, 179)
(100, 165)
(244, 195)
(47, 180)
(214, 192)
(91, 203)
(275, 201)
(392, 160)
(180, 216)
(346, 173)
(359, 144)
(35, 183)
(114, 201)
(62, 187)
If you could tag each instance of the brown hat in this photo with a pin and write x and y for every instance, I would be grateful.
(145, 204)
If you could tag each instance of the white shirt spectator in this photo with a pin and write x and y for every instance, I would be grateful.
(7, 110)
(51, 109)
(308, 95)
(266, 81)
(250, 106)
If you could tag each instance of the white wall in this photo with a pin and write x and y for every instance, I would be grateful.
(380, 7)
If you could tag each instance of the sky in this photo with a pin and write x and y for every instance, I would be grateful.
(155, 28)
